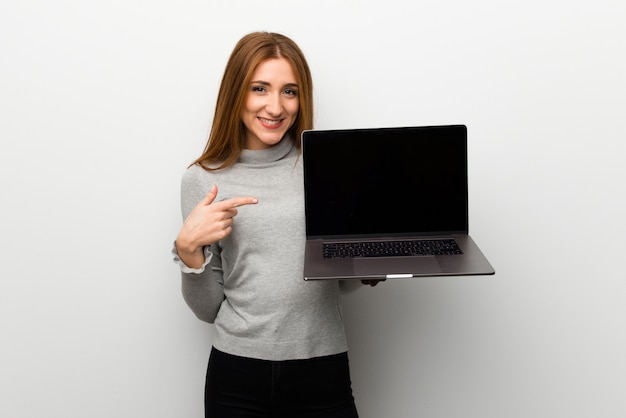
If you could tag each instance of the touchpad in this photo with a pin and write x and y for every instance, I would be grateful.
(395, 265)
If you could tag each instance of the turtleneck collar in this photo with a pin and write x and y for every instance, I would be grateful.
(268, 155)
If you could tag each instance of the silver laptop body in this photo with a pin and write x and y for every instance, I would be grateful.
(388, 203)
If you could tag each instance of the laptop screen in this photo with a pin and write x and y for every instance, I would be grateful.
(386, 181)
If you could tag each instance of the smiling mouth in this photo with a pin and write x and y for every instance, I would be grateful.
(270, 122)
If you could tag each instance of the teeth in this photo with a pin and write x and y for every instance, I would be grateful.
(270, 121)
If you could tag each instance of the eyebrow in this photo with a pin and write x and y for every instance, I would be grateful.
(265, 83)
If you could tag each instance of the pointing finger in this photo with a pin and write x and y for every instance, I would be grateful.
(235, 202)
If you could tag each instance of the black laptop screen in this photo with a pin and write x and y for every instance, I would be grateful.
(376, 182)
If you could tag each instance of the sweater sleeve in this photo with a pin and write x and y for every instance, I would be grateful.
(349, 286)
(202, 288)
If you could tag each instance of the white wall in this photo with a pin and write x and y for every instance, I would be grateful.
(103, 105)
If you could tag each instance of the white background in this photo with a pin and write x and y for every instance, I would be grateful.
(103, 104)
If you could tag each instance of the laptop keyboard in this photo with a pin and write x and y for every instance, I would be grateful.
(391, 248)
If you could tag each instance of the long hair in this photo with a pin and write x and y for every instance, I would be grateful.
(227, 137)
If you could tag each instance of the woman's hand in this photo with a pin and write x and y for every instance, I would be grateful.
(372, 282)
(207, 223)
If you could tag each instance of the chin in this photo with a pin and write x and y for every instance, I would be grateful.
(274, 139)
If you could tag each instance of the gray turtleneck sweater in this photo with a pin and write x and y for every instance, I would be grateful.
(251, 286)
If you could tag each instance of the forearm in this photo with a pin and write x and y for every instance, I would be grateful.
(202, 286)
(203, 294)
(192, 257)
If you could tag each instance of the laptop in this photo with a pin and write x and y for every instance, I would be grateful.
(388, 203)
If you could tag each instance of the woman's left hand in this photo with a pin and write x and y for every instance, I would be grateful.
(372, 282)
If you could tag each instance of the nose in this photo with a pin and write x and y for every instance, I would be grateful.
(274, 104)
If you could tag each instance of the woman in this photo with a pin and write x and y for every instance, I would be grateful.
(279, 347)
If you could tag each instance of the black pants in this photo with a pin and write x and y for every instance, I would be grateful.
(313, 388)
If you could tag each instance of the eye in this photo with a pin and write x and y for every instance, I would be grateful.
(259, 89)
(291, 92)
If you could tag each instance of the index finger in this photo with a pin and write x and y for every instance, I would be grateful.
(235, 202)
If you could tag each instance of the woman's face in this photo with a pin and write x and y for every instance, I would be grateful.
(272, 104)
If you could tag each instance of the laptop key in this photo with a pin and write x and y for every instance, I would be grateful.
(391, 248)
